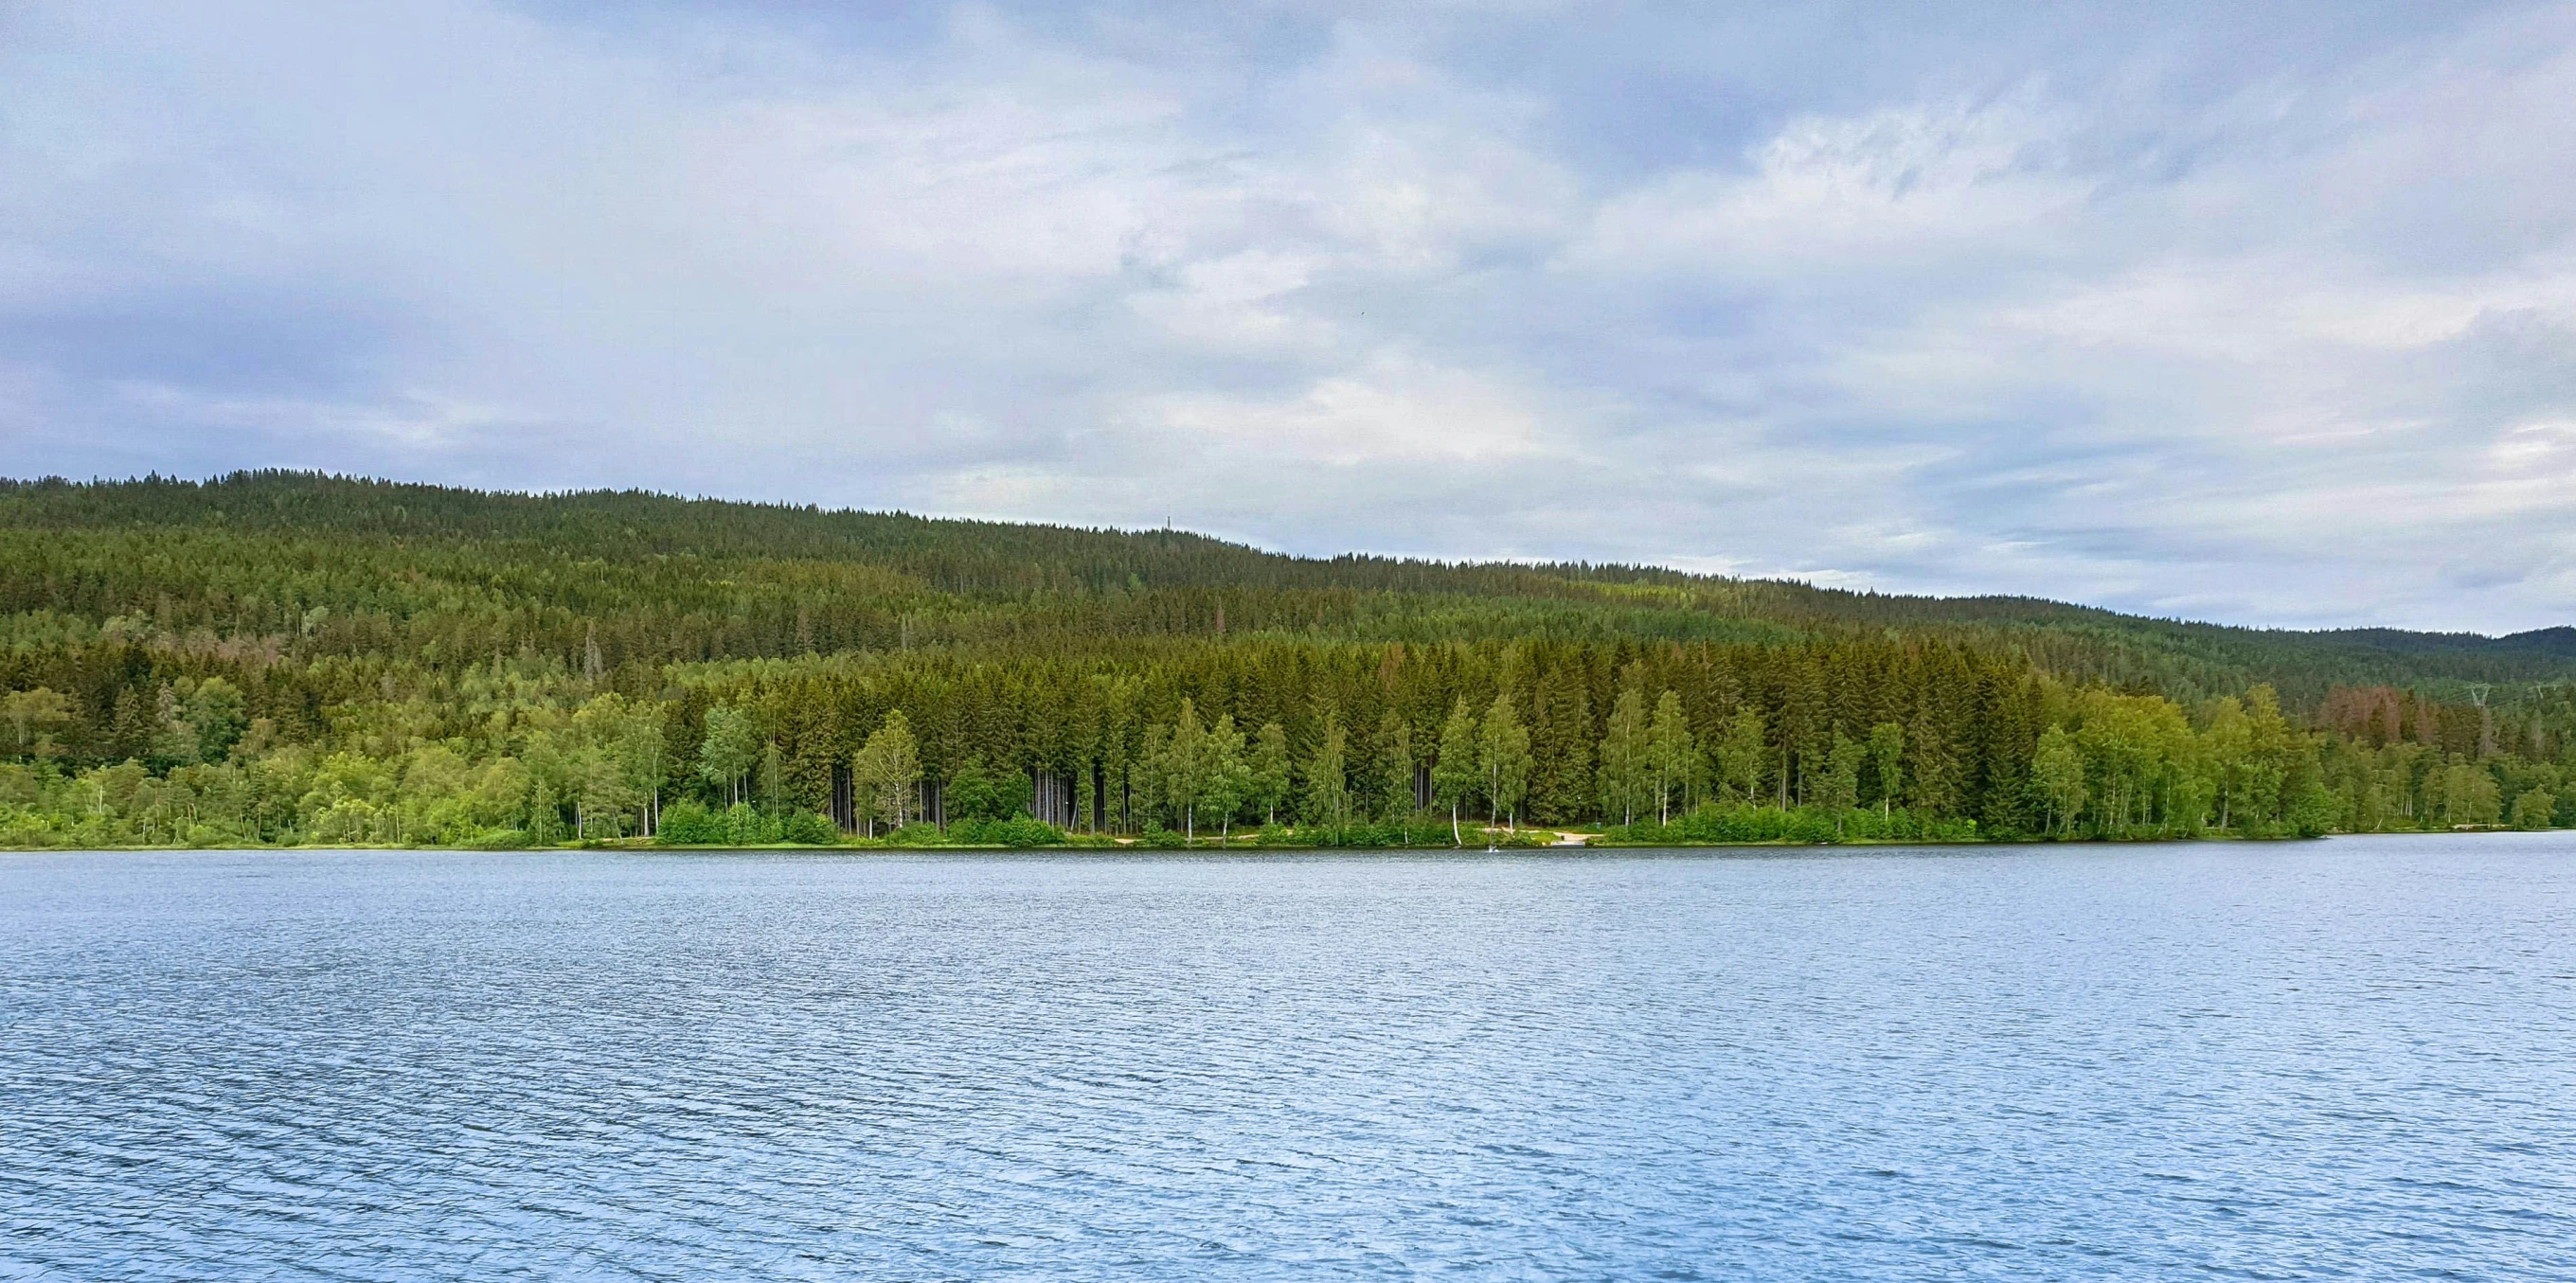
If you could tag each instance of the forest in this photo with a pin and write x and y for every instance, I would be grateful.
(292, 658)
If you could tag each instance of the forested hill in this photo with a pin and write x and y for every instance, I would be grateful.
(300, 563)
(279, 657)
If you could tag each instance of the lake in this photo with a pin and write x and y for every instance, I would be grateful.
(2350, 1058)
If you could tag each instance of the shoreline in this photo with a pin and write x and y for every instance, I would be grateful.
(1243, 848)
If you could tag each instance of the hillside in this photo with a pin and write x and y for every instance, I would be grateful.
(310, 565)
(294, 657)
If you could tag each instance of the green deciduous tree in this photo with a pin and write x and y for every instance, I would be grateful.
(885, 772)
(1228, 778)
(729, 750)
(1456, 772)
(1268, 771)
(1837, 788)
(980, 791)
(2058, 773)
(1503, 760)
(217, 713)
(33, 714)
(1627, 774)
(1328, 797)
(1886, 757)
(1395, 766)
(1672, 754)
(1741, 753)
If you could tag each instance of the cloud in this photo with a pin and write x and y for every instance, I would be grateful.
(2264, 316)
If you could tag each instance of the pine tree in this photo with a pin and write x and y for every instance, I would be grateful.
(1561, 787)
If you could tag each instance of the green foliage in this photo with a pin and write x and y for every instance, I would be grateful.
(1328, 797)
(1454, 774)
(1503, 760)
(216, 716)
(977, 793)
(690, 824)
(1626, 773)
(279, 658)
(1267, 772)
(885, 776)
(1017, 831)
(1742, 753)
(1673, 758)
(727, 750)
(1724, 823)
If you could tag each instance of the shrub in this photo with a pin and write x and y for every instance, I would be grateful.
(1018, 831)
(689, 824)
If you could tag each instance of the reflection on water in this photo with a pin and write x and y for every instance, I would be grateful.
(2352, 1057)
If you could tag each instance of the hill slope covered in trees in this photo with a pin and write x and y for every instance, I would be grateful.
(281, 656)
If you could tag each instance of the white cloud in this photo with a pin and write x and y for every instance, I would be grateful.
(1909, 186)
(2279, 333)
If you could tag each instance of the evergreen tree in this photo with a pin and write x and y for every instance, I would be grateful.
(1561, 786)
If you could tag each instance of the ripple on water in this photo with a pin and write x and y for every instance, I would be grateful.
(2350, 1058)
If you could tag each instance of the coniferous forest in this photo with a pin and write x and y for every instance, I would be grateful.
(293, 658)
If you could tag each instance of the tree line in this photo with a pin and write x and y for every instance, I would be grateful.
(1383, 742)
(284, 657)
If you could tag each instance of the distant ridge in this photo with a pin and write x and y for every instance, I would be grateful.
(946, 572)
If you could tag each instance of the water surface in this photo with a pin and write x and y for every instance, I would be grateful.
(2354, 1058)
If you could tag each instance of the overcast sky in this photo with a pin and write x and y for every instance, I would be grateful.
(2260, 313)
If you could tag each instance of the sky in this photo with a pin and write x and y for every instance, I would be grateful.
(2262, 314)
